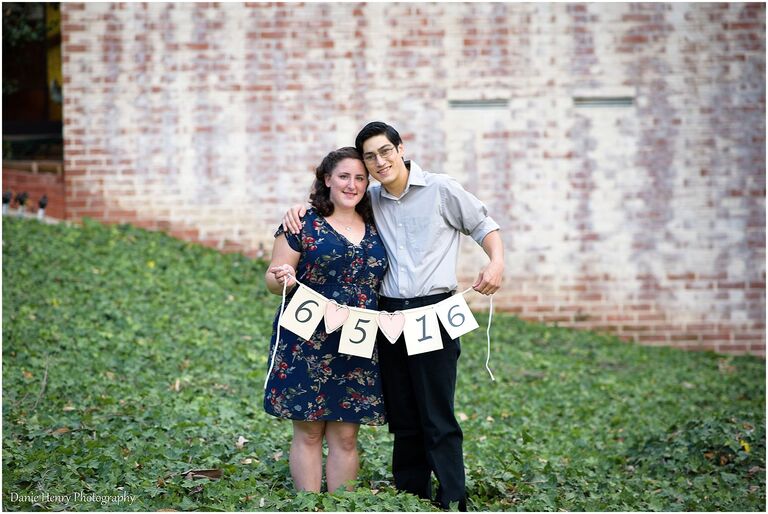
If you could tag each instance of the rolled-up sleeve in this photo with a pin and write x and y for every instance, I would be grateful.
(464, 212)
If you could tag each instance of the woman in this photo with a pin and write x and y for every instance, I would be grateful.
(327, 394)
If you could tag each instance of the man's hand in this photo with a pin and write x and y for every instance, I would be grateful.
(489, 279)
(292, 219)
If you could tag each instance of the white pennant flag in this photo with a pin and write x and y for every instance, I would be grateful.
(455, 316)
(358, 334)
(304, 312)
(422, 331)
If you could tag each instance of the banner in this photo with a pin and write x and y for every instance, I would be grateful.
(308, 308)
(420, 326)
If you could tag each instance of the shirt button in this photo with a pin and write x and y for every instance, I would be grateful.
(407, 302)
(401, 247)
(399, 224)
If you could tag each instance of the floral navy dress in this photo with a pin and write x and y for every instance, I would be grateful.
(311, 380)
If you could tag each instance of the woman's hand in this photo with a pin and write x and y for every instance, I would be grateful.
(284, 274)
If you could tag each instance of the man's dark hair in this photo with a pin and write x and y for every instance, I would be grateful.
(320, 198)
(376, 128)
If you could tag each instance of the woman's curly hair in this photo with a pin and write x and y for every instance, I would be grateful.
(320, 198)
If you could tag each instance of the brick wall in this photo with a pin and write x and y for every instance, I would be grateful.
(36, 184)
(645, 217)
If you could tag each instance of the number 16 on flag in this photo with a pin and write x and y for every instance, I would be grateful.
(422, 331)
(455, 316)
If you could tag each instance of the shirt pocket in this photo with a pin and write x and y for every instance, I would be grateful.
(418, 234)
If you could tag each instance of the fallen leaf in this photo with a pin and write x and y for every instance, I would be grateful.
(213, 474)
(59, 431)
(27, 374)
(489, 418)
(277, 454)
(261, 503)
(68, 408)
(246, 461)
(240, 442)
(462, 416)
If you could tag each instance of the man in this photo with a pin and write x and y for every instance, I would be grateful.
(420, 217)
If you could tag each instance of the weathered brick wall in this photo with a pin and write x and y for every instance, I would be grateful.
(36, 185)
(645, 218)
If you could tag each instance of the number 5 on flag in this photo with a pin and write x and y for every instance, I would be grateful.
(358, 334)
(455, 316)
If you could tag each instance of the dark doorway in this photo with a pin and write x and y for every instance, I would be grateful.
(32, 82)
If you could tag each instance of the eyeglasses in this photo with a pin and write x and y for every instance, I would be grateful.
(385, 153)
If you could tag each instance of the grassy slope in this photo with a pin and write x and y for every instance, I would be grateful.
(130, 358)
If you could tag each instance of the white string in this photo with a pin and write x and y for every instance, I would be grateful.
(277, 336)
(488, 334)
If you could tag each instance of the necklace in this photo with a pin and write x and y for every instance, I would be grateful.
(346, 227)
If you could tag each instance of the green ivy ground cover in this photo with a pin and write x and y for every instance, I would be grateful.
(131, 359)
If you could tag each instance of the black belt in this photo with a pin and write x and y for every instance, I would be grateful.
(410, 303)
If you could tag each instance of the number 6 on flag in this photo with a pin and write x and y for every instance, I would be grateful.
(455, 316)
(304, 312)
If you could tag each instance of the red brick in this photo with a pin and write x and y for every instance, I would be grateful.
(675, 265)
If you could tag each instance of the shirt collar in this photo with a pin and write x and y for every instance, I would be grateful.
(415, 178)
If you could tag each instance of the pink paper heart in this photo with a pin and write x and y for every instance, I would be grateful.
(335, 316)
(391, 324)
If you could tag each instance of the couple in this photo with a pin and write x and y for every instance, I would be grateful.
(406, 259)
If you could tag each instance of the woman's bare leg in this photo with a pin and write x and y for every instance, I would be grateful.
(343, 461)
(306, 459)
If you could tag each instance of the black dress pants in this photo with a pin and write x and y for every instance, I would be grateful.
(418, 395)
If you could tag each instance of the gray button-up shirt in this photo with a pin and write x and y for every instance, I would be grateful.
(421, 231)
